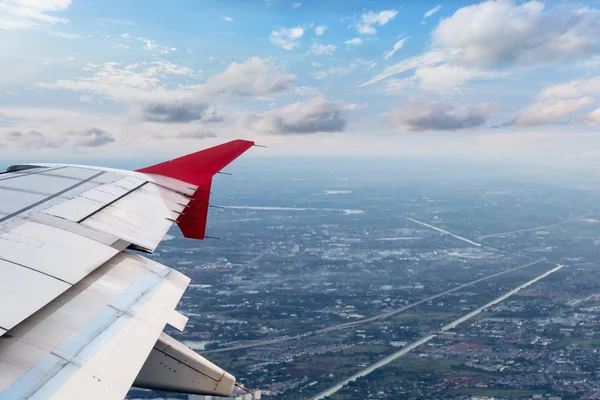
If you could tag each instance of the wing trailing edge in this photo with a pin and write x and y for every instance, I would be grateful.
(198, 169)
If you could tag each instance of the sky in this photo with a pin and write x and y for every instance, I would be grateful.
(499, 80)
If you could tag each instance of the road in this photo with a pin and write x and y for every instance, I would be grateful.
(427, 338)
(253, 261)
(445, 232)
(531, 229)
(373, 318)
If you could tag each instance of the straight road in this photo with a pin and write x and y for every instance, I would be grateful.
(427, 338)
(373, 318)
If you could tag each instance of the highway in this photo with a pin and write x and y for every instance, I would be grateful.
(532, 229)
(427, 338)
(445, 232)
(373, 318)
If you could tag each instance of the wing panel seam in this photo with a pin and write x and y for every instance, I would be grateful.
(35, 270)
(42, 170)
(112, 202)
(29, 207)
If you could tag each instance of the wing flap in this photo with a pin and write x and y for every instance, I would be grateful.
(70, 347)
(143, 217)
(174, 367)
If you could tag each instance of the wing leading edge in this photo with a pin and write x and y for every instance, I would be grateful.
(100, 331)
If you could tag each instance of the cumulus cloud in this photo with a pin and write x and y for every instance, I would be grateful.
(421, 115)
(256, 77)
(432, 11)
(34, 139)
(548, 111)
(496, 37)
(23, 14)
(296, 5)
(320, 49)
(178, 112)
(368, 21)
(499, 34)
(228, 19)
(399, 44)
(315, 115)
(287, 38)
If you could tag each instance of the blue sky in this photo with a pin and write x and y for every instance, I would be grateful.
(502, 80)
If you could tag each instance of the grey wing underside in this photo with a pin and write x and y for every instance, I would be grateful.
(81, 316)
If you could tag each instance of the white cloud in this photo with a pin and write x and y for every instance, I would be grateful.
(593, 118)
(353, 42)
(228, 19)
(494, 38)
(399, 44)
(23, 14)
(296, 5)
(368, 21)
(306, 91)
(256, 77)
(421, 115)
(315, 115)
(446, 77)
(333, 71)
(287, 38)
(320, 30)
(427, 59)
(501, 34)
(432, 11)
(577, 88)
(149, 45)
(139, 81)
(319, 49)
(548, 111)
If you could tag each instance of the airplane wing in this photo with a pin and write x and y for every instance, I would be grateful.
(81, 314)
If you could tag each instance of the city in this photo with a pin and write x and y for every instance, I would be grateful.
(339, 287)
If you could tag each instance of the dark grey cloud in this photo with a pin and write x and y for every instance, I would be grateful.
(313, 116)
(178, 112)
(91, 137)
(419, 114)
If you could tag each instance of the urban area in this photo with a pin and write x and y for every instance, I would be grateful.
(406, 286)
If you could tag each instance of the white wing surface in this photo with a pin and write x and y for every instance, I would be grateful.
(82, 313)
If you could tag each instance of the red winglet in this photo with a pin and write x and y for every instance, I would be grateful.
(198, 169)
